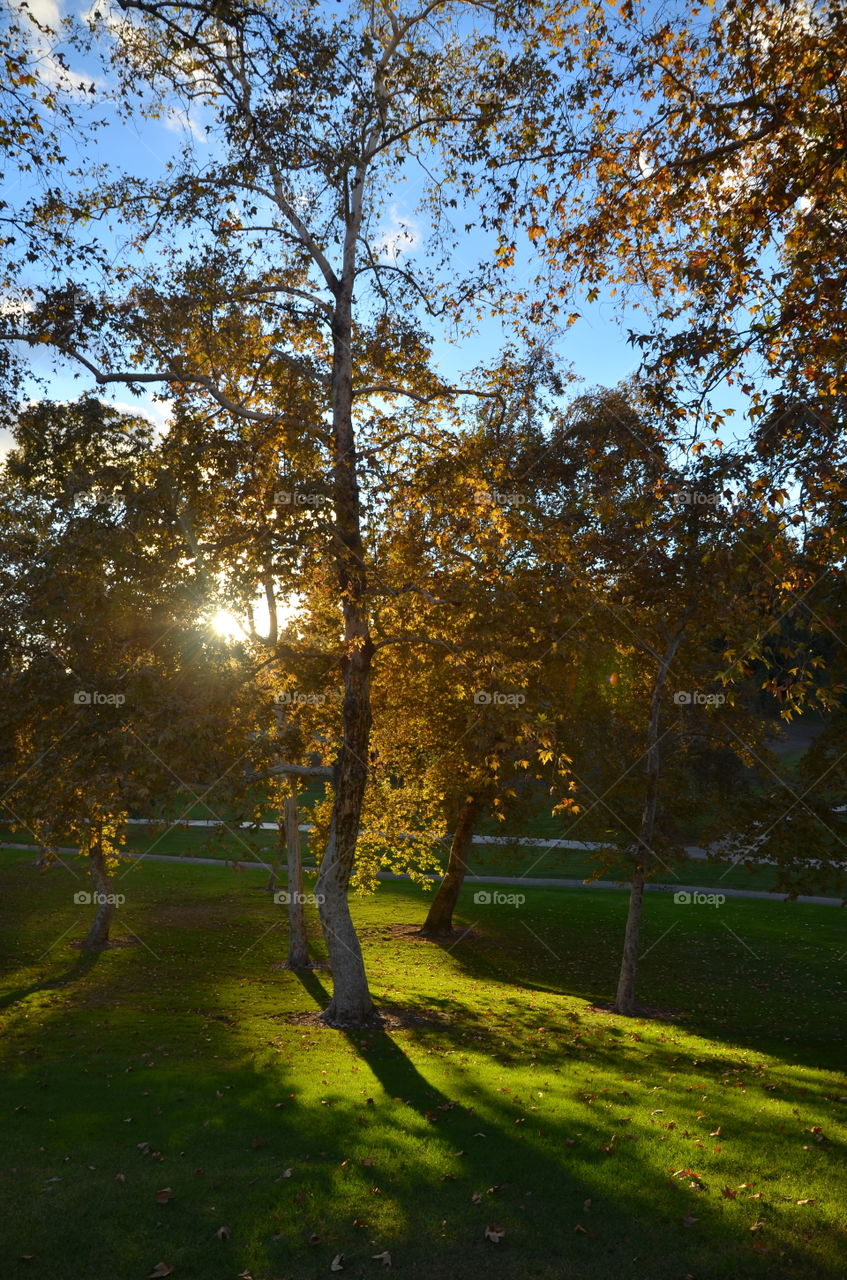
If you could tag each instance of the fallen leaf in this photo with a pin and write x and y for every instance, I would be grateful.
(337, 1263)
(286, 1173)
(586, 1206)
(807, 1201)
(689, 1220)
(495, 1234)
(476, 1198)
(161, 1269)
(164, 1195)
(728, 1193)
(384, 1258)
(223, 1233)
(120, 1177)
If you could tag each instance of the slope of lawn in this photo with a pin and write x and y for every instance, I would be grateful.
(162, 1104)
(531, 862)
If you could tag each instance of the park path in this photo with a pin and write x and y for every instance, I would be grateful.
(532, 882)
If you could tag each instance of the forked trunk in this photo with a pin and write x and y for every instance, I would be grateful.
(98, 934)
(439, 920)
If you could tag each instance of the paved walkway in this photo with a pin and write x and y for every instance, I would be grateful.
(531, 882)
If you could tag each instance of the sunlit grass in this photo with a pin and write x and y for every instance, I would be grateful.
(519, 1101)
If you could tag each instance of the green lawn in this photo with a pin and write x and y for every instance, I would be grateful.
(708, 1143)
(501, 860)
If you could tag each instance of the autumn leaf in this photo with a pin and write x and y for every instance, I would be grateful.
(223, 1233)
(494, 1234)
(337, 1263)
(164, 1195)
(384, 1258)
(689, 1220)
(161, 1269)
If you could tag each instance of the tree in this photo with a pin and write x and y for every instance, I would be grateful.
(699, 168)
(111, 685)
(314, 120)
(671, 552)
(469, 668)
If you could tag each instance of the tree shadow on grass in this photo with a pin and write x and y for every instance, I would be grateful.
(490, 1164)
(78, 970)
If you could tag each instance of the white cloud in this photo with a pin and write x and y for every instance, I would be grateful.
(40, 26)
(177, 119)
(156, 411)
(401, 235)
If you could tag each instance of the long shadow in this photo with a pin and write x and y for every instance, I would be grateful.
(709, 965)
(81, 967)
(492, 1138)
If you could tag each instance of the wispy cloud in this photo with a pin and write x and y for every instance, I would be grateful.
(400, 236)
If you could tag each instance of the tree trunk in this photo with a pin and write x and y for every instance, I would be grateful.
(98, 934)
(439, 920)
(351, 1002)
(273, 878)
(625, 998)
(298, 947)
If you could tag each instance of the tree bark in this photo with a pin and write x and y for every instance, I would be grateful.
(298, 947)
(351, 1002)
(439, 920)
(98, 934)
(625, 997)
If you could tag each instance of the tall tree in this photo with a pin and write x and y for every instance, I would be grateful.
(286, 220)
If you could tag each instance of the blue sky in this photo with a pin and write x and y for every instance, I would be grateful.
(595, 347)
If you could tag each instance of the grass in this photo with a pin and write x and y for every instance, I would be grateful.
(707, 1143)
(499, 860)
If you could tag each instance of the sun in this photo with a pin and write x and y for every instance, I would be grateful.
(226, 625)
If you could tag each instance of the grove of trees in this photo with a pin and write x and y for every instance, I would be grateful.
(470, 588)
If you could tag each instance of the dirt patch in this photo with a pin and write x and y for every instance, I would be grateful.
(386, 1018)
(112, 945)
(644, 1012)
